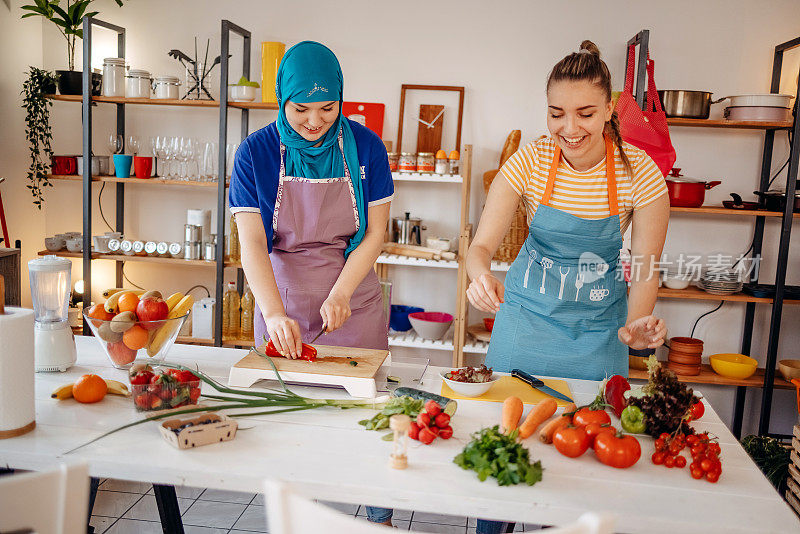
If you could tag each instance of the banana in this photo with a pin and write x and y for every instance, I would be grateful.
(111, 290)
(111, 304)
(62, 392)
(174, 299)
(166, 331)
(117, 388)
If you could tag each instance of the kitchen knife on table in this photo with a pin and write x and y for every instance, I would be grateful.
(538, 384)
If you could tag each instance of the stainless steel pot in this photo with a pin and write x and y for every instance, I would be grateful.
(686, 104)
(407, 230)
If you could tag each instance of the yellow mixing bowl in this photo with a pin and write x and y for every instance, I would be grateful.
(736, 366)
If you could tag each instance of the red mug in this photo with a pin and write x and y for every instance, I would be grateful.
(143, 166)
(64, 165)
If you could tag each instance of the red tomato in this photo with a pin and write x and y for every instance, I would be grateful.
(586, 415)
(194, 394)
(698, 409)
(571, 441)
(186, 376)
(594, 429)
(617, 450)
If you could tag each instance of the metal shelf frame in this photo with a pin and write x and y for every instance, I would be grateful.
(787, 217)
(227, 27)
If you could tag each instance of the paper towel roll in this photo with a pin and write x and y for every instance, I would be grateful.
(17, 404)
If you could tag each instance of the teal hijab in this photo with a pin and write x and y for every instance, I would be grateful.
(309, 72)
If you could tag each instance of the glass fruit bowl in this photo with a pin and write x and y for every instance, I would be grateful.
(124, 339)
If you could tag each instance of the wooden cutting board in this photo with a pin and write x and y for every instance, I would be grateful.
(508, 386)
(479, 332)
(333, 367)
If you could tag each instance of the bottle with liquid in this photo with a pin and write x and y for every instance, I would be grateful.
(248, 311)
(230, 313)
(233, 241)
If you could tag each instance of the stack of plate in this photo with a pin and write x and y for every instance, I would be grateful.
(720, 282)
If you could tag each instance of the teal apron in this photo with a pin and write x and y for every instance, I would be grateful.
(564, 299)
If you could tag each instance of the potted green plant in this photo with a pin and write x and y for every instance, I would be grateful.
(69, 22)
(242, 91)
(37, 128)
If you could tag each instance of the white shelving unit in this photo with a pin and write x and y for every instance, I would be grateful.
(417, 177)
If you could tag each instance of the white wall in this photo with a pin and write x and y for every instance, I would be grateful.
(501, 52)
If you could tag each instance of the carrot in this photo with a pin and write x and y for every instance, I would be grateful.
(538, 415)
(512, 412)
(546, 433)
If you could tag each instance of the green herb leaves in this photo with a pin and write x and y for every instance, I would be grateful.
(395, 405)
(491, 453)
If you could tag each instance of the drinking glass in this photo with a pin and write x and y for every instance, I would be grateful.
(114, 143)
(133, 144)
(161, 154)
(230, 154)
(174, 149)
(185, 154)
(194, 162)
(209, 155)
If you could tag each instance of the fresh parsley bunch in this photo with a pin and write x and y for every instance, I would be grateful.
(491, 453)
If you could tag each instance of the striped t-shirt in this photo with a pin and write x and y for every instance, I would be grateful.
(584, 194)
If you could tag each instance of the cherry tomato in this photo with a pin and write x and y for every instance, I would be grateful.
(617, 450)
(586, 415)
(594, 429)
(660, 444)
(706, 464)
(692, 440)
(669, 462)
(680, 462)
(714, 448)
(658, 458)
(696, 472)
(712, 477)
(698, 409)
(571, 441)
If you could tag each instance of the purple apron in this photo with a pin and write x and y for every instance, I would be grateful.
(312, 223)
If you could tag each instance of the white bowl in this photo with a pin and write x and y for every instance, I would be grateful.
(54, 244)
(470, 389)
(676, 283)
(101, 243)
(75, 244)
(241, 93)
(430, 325)
(439, 243)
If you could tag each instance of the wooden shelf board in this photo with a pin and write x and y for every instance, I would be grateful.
(723, 123)
(695, 293)
(708, 376)
(122, 257)
(133, 180)
(716, 210)
(225, 342)
(165, 102)
(417, 177)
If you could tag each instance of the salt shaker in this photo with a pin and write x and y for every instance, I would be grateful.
(399, 424)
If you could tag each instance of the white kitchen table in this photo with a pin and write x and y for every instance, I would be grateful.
(333, 458)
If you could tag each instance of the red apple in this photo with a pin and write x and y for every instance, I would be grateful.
(152, 309)
(120, 353)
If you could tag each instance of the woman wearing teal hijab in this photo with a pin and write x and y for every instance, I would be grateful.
(311, 195)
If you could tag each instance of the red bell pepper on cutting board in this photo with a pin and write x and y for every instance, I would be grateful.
(308, 353)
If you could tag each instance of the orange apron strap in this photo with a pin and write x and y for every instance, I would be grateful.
(611, 177)
(551, 178)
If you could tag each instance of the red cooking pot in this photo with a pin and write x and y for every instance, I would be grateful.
(687, 192)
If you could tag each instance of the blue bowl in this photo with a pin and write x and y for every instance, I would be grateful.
(122, 165)
(398, 318)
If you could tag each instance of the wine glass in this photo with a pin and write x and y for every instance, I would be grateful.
(208, 162)
(133, 144)
(174, 147)
(185, 154)
(194, 163)
(114, 143)
(230, 155)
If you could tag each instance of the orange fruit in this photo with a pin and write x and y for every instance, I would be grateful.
(128, 302)
(89, 388)
(135, 337)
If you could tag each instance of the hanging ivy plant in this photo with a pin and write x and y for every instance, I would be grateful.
(37, 129)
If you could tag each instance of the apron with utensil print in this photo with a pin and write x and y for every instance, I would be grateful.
(312, 222)
(564, 300)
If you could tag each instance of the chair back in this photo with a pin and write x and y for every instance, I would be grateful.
(50, 502)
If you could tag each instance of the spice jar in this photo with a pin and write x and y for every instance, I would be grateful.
(138, 248)
(166, 87)
(425, 163)
(150, 248)
(394, 159)
(407, 162)
(453, 159)
(442, 166)
(137, 84)
(114, 76)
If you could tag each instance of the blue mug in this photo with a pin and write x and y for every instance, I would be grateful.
(122, 165)
(398, 317)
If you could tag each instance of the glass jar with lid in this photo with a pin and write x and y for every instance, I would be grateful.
(114, 76)
(425, 163)
(407, 162)
(394, 159)
(166, 87)
(137, 84)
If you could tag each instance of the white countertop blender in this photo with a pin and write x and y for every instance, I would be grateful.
(50, 278)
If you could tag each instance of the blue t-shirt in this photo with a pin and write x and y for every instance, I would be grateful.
(257, 165)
